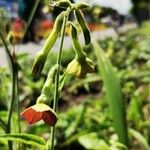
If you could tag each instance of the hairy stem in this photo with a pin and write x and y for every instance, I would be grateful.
(56, 92)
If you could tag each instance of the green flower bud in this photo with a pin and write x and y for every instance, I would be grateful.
(41, 56)
(63, 3)
(81, 6)
(80, 67)
(83, 25)
(42, 99)
(48, 88)
(75, 41)
(38, 64)
(54, 33)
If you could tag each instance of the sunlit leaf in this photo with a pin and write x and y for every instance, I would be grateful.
(29, 139)
(113, 93)
(138, 136)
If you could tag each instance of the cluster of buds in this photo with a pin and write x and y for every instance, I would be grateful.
(79, 66)
(41, 110)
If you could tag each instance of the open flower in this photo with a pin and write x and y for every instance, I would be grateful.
(80, 67)
(38, 112)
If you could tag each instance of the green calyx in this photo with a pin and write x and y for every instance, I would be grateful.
(80, 67)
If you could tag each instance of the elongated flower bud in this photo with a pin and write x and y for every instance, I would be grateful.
(76, 45)
(48, 88)
(81, 6)
(81, 64)
(83, 25)
(38, 64)
(54, 33)
(41, 56)
(63, 3)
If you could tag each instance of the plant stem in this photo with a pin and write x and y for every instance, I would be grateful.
(18, 104)
(6, 48)
(3, 125)
(14, 76)
(14, 67)
(56, 92)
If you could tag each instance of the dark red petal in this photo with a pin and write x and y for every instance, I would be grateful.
(49, 118)
(31, 116)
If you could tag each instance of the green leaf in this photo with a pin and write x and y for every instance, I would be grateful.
(113, 93)
(92, 141)
(140, 138)
(29, 139)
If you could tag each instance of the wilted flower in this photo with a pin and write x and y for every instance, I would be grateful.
(39, 62)
(80, 67)
(38, 112)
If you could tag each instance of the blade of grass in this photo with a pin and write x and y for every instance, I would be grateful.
(139, 138)
(113, 93)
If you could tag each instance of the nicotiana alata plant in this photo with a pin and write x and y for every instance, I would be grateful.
(79, 66)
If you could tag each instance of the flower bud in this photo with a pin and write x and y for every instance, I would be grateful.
(80, 67)
(76, 45)
(63, 3)
(83, 25)
(42, 55)
(81, 6)
(48, 88)
(38, 64)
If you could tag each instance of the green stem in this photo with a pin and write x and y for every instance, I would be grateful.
(6, 48)
(11, 105)
(3, 125)
(18, 104)
(14, 67)
(56, 92)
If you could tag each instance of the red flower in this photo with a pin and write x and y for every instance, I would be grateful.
(40, 111)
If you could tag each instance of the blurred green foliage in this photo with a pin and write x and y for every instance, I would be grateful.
(84, 119)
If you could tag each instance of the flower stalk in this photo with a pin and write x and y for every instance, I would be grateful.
(14, 69)
(56, 92)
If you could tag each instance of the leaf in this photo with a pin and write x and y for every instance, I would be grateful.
(113, 93)
(91, 141)
(29, 139)
(140, 138)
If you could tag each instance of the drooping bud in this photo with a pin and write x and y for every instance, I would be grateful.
(81, 6)
(48, 88)
(80, 68)
(83, 25)
(75, 41)
(42, 54)
(63, 3)
(39, 63)
(81, 65)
